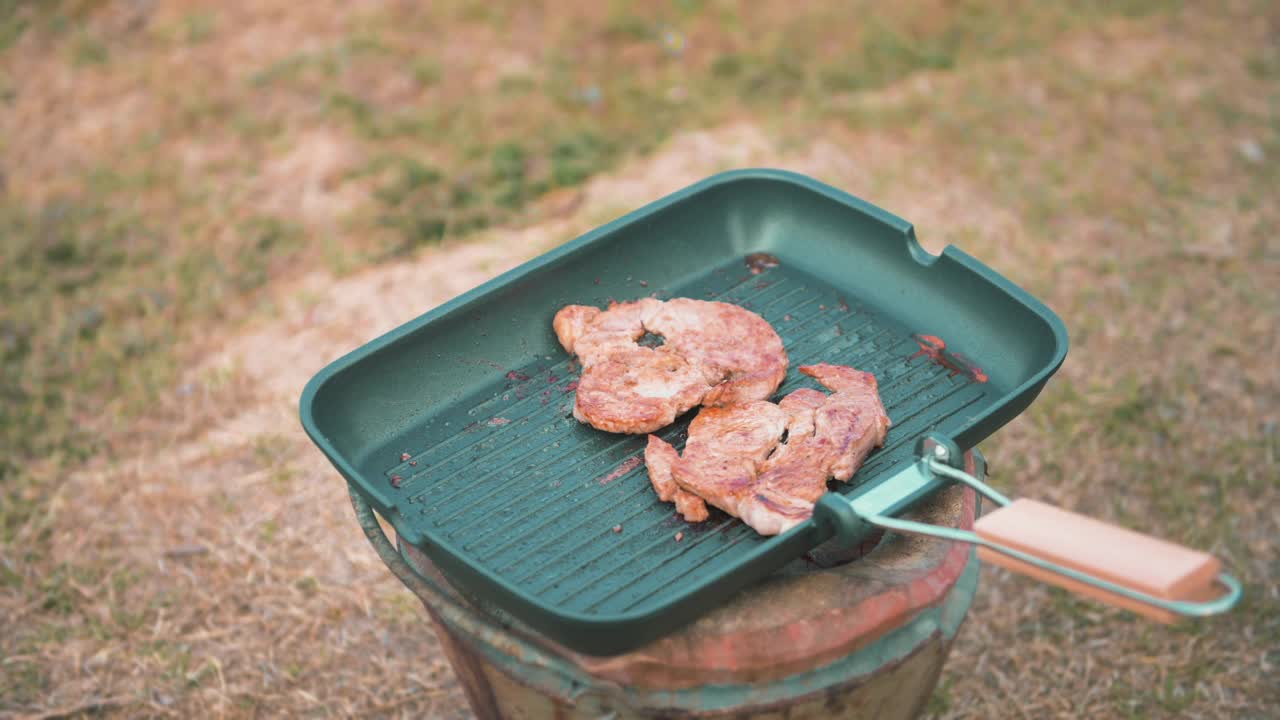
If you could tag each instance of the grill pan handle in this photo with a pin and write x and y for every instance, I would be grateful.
(1155, 578)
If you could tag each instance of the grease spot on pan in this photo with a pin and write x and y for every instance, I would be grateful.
(627, 466)
(759, 262)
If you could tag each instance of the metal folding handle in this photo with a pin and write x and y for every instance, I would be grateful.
(1074, 579)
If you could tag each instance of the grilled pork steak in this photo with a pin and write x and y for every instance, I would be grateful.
(660, 458)
(735, 458)
(713, 354)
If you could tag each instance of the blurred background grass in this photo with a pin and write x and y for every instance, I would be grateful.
(168, 168)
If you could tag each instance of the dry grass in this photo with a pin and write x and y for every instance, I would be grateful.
(205, 562)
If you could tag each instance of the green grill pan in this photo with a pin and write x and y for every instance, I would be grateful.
(457, 426)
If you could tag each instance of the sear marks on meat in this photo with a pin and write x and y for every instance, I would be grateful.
(740, 354)
(713, 354)
(660, 457)
(736, 459)
(722, 455)
(593, 334)
(853, 418)
(637, 390)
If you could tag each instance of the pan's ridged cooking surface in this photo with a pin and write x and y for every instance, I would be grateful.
(529, 493)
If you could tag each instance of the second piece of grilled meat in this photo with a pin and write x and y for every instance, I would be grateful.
(736, 460)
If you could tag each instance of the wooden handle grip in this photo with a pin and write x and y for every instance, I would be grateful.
(1130, 559)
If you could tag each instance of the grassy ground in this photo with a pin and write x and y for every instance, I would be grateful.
(201, 203)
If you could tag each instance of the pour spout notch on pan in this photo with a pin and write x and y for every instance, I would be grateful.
(1152, 577)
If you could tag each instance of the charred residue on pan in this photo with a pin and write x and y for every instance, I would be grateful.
(521, 381)
(627, 466)
(935, 349)
(758, 262)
